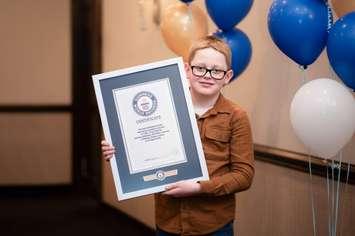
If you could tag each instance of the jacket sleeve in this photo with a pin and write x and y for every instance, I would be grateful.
(241, 173)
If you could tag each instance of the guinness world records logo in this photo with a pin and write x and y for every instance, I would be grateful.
(144, 103)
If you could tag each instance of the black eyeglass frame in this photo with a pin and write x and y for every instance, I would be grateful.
(208, 70)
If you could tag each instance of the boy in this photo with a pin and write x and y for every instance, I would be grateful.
(208, 207)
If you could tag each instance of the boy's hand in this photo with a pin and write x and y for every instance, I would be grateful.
(183, 189)
(107, 150)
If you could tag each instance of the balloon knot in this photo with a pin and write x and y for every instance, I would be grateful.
(303, 67)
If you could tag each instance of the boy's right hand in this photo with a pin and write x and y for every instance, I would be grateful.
(107, 150)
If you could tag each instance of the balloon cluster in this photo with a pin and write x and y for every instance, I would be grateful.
(303, 28)
(226, 14)
(322, 111)
(182, 23)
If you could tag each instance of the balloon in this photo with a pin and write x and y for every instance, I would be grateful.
(227, 13)
(341, 49)
(240, 46)
(323, 116)
(342, 7)
(299, 28)
(181, 25)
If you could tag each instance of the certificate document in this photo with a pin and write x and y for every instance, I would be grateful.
(147, 114)
(150, 126)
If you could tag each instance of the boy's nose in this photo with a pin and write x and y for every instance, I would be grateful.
(208, 75)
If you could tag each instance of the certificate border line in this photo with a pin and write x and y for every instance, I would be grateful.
(121, 125)
(124, 133)
(177, 123)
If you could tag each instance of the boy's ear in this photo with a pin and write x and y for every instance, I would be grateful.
(187, 66)
(187, 69)
(228, 76)
(188, 72)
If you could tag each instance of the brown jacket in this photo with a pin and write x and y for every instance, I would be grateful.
(227, 143)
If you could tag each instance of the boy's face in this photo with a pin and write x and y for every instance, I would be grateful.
(206, 85)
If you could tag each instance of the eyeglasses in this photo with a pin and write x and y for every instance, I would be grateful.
(200, 71)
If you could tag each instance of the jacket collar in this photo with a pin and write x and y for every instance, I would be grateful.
(221, 106)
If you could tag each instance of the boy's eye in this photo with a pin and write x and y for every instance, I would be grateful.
(200, 68)
(215, 71)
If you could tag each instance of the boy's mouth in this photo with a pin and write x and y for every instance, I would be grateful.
(205, 83)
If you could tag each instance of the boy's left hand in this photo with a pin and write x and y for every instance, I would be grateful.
(183, 189)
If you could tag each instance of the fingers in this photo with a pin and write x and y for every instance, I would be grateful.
(107, 150)
(178, 184)
(182, 189)
(108, 154)
(173, 192)
(171, 186)
(104, 143)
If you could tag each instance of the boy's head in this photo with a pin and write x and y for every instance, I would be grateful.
(209, 67)
(211, 42)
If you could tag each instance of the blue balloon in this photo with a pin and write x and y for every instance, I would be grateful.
(240, 47)
(227, 13)
(341, 49)
(299, 28)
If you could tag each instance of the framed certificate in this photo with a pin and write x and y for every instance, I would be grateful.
(147, 114)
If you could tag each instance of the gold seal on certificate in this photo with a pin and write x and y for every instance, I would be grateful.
(147, 114)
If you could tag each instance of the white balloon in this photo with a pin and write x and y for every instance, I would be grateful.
(323, 116)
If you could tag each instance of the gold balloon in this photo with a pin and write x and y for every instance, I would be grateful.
(182, 24)
(342, 7)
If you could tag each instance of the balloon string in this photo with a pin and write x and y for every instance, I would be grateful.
(304, 75)
(312, 195)
(189, 16)
(330, 15)
(330, 4)
(332, 73)
(328, 198)
(156, 12)
(141, 15)
(330, 24)
(344, 198)
(337, 194)
(189, 12)
(332, 198)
